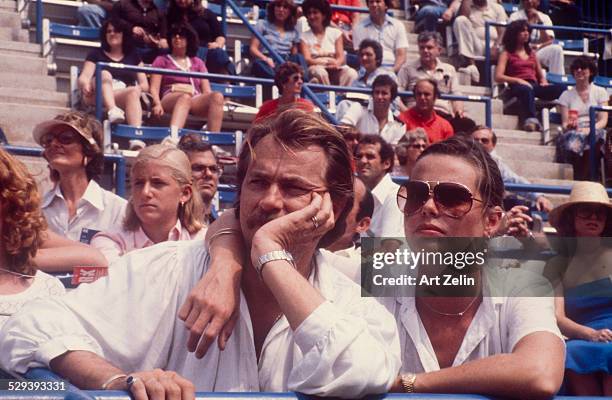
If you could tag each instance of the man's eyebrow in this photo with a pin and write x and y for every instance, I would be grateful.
(296, 179)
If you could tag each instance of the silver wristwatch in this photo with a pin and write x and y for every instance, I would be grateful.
(273, 256)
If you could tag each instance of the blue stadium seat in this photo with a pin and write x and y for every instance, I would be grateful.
(565, 80)
(603, 81)
(74, 31)
(158, 133)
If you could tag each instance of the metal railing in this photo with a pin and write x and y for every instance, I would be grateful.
(488, 25)
(116, 159)
(593, 137)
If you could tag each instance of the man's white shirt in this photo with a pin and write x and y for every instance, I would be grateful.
(387, 219)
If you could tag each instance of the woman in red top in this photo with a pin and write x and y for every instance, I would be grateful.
(519, 67)
(289, 79)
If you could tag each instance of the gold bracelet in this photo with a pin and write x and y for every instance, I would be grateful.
(408, 381)
(112, 379)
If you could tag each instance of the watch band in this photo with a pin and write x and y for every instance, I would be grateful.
(408, 381)
(274, 255)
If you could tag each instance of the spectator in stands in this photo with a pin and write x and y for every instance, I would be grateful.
(205, 171)
(323, 48)
(581, 275)
(429, 66)
(464, 340)
(574, 105)
(22, 232)
(469, 29)
(410, 147)
(549, 54)
(377, 118)
(162, 206)
(375, 159)
(278, 28)
(147, 23)
(487, 138)
(519, 67)
(289, 79)
(351, 136)
(94, 12)
(566, 13)
(430, 11)
(422, 115)
(76, 207)
(386, 30)
(321, 345)
(210, 34)
(345, 20)
(370, 60)
(121, 90)
(182, 95)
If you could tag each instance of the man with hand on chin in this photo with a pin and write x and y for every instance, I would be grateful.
(302, 326)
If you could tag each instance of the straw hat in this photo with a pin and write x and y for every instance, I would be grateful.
(83, 124)
(582, 192)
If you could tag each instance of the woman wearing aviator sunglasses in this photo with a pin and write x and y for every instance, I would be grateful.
(583, 288)
(471, 342)
(76, 207)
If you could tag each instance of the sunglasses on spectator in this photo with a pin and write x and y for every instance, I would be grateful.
(295, 78)
(64, 138)
(111, 30)
(200, 169)
(588, 211)
(418, 146)
(483, 140)
(452, 199)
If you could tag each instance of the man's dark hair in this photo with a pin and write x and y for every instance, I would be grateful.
(185, 29)
(584, 62)
(321, 5)
(298, 129)
(378, 50)
(386, 150)
(193, 143)
(127, 43)
(510, 39)
(490, 183)
(385, 80)
(388, 3)
(366, 205)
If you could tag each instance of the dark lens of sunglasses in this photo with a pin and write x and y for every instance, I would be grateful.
(455, 200)
(588, 212)
(415, 194)
(63, 138)
(484, 141)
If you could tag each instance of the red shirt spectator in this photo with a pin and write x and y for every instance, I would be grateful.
(270, 107)
(344, 17)
(437, 128)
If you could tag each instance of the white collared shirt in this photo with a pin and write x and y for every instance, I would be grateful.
(366, 122)
(116, 243)
(391, 36)
(98, 210)
(387, 219)
(348, 346)
(499, 324)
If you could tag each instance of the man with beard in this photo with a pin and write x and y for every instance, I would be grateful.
(302, 326)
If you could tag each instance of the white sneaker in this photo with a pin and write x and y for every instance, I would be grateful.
(116, 115)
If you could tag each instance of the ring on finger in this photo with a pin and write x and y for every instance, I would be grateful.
(315, 221)
(131, 381)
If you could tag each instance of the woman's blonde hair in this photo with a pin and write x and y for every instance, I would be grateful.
(192, 211)
(23, 223)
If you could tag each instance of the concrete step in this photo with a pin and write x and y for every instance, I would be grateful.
(553, 182)
(519, 151)
(8, 5)
(8, 33)
(517, 136)
(23, 64)
(19, 48)
(540, 169)
(17, 120)
(18, 80)
(34, 97)
(501, 121)
(9, 19)
(474, 90)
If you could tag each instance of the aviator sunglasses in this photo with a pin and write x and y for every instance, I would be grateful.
(452, 199)
(65, 138)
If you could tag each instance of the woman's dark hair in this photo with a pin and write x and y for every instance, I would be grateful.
(290, 22)
(388, 3)
(321, 5)
(510, 39)
(176, 14)
(378, 50)
(185, 29)
(127, 43)
(490, 183)
(284, 71)
(584, 62)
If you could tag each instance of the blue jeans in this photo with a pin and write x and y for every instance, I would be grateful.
(426, 19)
(526, 96)
(217, 61)
(91, 15)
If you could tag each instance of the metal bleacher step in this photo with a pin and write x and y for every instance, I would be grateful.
(517, 136)
(17, 34)
(521, 151)
(33, 97)
(502, 121)
(19, 48)
(8, 5)
(540, 169)
(9, 19)
(23, 64)
(16, 80)
(18, 120)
